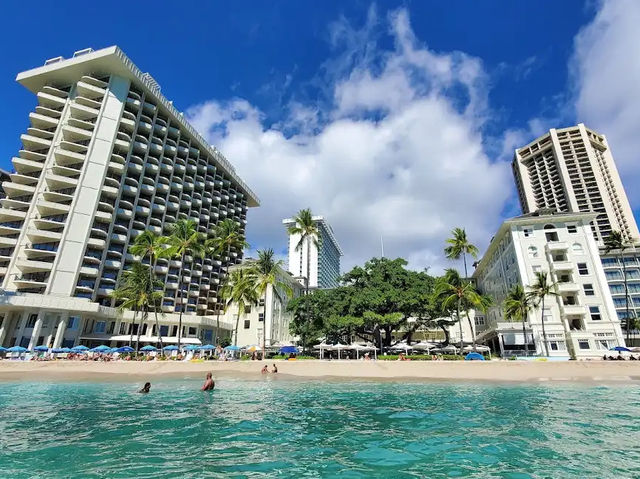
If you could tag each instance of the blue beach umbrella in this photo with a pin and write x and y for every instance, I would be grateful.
(3, 350)
(233, 348)
(149, 348)
(192, 347)
(17, 349)
(288, 349)
(124, 349)
(66, 350)
(171, 348)
(474, 357)
(79, 349)
(620, 348)
(41, 348)
(101, 349)
(207, 347)
(58, 350)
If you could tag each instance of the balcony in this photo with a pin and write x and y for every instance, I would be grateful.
(568, 287)
(90, 91)
(43, 121)
(74, 134)
(32, 266)
(556, 246)
(562, 266)
(47, 208)
(83, 112)
(573, 310)
(50, 101)
(43, 236)
(88, 102)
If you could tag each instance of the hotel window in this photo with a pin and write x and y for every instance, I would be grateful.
(577, 248)
(613, 275)
(583, 344)
(123, 328)
(112, 326)
(556, 346)
(261, 317)
(247, 309)
(192, 331)
(31, 321)
(527, 232)
(594, 311)
(247, 323)
(164, 330)
(572, 228)
(588, 289)
(100, 327)
(582, 269)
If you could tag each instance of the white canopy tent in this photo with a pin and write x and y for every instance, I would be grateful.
(402, 346)
(480, 348)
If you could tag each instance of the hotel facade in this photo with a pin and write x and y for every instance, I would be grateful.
(579, 319)
(324, 260)
(572, 169)
(106, 157)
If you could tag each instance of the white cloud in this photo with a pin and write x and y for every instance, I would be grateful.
(605, 72)
(400, 156)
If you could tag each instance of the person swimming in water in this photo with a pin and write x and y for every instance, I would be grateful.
(265, 369)
(209, 383)
(275, 369)
(146, 388)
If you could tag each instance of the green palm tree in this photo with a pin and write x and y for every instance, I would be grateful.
(542, 288)
(136, 292)
(516, 308)
(617, 242)
(459, 246)
(149, 244)
(451, 289)
(227, 235)
(240, 289)
(184, 239)
(267, 270)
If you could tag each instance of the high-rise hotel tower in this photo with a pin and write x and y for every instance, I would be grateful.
(106, 157)
(572, 170)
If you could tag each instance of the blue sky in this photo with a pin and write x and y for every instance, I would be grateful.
(344, 106)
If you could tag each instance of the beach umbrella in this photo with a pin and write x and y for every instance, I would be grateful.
(192, 347)
(17, 349)
(171, 347)
(58, 350)
(150, 348)
(79, 349)
(101, 349)
(474, 357)
(124, 349)
(288, 349)
(3, 350)
(233, 348)
(41, 348)
(66, 350)
(207, 347)
(620, 349)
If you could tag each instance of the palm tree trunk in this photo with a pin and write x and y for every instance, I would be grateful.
(145, 316)
(152, 277)
(544, 332)
(180, 297)
(226, 273)
(626, 296)
(308, 276)
(464, 259)
(135, 313)
(264, 324)
(235, 339)
(459, 324)
(524, 335)
(473, 334)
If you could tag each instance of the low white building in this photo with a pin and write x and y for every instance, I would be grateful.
(271, 314)
(580, 319)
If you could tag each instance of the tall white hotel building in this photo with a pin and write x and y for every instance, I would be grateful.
(571, 170)
(106, 157)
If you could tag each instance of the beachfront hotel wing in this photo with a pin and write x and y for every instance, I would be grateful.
(324, 260)
(572, 169)
(105, 157)
(581, 319)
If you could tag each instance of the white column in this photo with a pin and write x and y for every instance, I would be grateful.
(4, 327)
(23, 323)
(62, 326)
(36, 331)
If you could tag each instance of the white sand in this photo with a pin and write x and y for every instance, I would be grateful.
(577, 371)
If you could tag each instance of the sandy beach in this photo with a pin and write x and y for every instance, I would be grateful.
(509, 371)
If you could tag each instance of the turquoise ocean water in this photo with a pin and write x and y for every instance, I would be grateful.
(289, 429)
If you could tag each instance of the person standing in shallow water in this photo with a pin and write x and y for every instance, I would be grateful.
(146, 388)
(209, 383)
